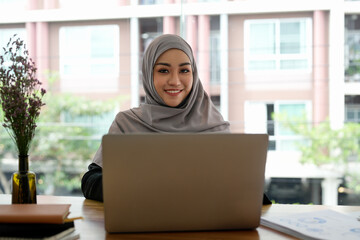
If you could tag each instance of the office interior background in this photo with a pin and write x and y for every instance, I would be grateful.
(287, 68)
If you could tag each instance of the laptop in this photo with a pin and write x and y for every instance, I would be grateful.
(183, 182)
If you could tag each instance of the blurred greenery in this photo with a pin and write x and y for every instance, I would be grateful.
(354, 68)
(64, 144)
(323, 145)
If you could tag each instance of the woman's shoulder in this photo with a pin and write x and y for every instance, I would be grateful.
(125, 115)
(127, 121)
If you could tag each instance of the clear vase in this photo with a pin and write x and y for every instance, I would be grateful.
(23, 183)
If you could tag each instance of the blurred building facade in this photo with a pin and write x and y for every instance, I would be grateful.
(255, 58)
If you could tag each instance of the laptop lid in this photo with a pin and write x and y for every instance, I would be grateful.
(183, 182)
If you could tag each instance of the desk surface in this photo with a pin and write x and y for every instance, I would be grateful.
(92, 227)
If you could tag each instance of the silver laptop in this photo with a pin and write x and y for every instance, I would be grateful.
(183, 182)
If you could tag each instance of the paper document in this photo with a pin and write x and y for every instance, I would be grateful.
(324, 224)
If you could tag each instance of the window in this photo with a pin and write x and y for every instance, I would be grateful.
(216, 101)
(352, 113)
(88, 53)
(259, 119)
(352, 48)
(151, 2)
(96, 125)
(150, 28)
(6, 34)
(278, 44)
(352, 108)
(215, 50)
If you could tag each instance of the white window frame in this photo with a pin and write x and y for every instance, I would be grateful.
(258, 109)
(277, 57)
(12, 5)
(101, 127)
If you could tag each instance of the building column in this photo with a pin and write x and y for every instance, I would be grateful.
(320, 68)
(134, 59)
(191, 30)
(204, 51)
(169, 25)
(168, 21)
(122, 2)
(31, 31)
(42, 51)
(224, 68)
(51, 4)
(330, 191)
(38, 41)
(32, 4)
(31, 39)
(336, 65)
(191, 33)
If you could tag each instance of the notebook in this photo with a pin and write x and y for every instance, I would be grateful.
(183, 182)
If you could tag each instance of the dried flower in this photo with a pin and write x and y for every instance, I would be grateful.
(20, 96)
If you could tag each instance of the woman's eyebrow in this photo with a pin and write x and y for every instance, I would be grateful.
(167, 64)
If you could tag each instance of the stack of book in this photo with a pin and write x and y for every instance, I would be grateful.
(37, 221)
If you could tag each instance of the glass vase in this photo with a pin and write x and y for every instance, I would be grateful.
(23, 183)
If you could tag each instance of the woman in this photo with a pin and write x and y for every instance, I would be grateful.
(175, 101)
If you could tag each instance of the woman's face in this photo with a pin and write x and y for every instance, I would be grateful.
(173, 76)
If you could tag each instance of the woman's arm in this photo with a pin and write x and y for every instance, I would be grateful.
(266, 200)
(91, 183)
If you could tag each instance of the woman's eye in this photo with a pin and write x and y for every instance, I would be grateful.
(185, 70)
(163, 71)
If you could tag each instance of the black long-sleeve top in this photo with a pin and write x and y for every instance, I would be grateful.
(91, 184)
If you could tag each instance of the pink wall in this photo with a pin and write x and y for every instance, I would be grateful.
(262, 87)
(169, 25)
(204, 51)
(42, 51)
(191, 33)
(198, 31)
(38, 40)
(31, 39)
(320, 67)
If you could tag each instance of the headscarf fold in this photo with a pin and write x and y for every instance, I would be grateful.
(196, 113)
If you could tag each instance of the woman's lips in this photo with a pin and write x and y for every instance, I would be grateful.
(173, 92)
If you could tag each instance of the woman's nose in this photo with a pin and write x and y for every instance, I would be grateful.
(174, 79)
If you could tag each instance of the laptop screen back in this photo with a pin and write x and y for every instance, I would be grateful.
(183, 182)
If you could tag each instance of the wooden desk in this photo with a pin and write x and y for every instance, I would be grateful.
(92, 227)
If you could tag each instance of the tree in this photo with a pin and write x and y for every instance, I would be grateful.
(324, 146)
(61, 150)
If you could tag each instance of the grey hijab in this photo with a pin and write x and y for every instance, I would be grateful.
(196, 113)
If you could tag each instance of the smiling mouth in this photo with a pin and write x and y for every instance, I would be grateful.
(173, 92)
